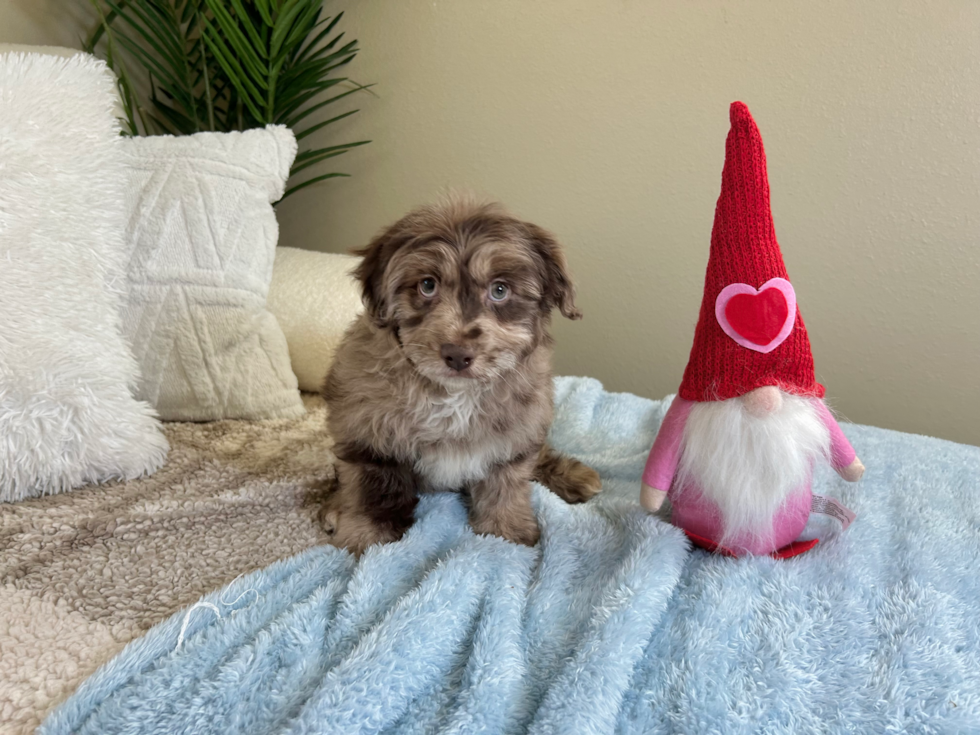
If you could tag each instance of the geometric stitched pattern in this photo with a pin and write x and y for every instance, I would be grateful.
(202, 236)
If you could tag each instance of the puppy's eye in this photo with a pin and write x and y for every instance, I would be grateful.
(427, 286)
(499, 291)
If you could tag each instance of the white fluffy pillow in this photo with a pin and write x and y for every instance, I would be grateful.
(67, 416)
(314, 298)
(203, 233)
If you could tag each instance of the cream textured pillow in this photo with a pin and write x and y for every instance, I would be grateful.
(202, 236)
(314, 298)
(67, 415)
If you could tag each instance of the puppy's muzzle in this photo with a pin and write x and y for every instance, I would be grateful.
(456, 357)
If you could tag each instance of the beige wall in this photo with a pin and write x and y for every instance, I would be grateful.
(605, 120)
(45, 22)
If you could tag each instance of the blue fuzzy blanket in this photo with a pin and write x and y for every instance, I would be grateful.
(611, 625)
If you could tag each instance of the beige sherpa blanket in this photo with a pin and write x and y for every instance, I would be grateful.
(84, 573)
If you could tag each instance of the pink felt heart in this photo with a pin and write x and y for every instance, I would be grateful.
(760, 320)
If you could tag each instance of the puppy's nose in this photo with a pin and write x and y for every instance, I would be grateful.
(456, 357)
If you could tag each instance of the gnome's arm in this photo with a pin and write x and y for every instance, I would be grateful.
(665, 455)
(843, 458)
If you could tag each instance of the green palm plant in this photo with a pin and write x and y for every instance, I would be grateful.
(225, 65)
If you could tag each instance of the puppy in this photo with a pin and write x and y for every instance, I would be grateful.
(444, 383)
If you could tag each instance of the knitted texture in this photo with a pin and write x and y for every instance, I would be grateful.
(744, 250)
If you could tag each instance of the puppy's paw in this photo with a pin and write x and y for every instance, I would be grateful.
(347, 529)
(528, 536)
(587, 481)
(519, 531)
(328, 519)
(567, 478)
(574, 482)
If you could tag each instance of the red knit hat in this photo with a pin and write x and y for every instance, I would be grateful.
(750, 332)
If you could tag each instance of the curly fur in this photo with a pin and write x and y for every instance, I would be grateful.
(407, 421)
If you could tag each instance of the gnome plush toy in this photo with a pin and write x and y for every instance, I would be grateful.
(736, 450)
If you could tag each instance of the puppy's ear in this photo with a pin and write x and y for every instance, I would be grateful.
(558, 288)
(371, 273)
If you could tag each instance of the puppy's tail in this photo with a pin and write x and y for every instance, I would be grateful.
(567, 478)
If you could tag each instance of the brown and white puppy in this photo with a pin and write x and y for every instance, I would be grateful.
(445, 382)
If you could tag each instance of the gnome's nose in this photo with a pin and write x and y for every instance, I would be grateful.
(763, 401)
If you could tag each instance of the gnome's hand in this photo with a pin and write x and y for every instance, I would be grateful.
(651, 498)
(853, 471)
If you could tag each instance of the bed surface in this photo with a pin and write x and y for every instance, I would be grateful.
(611, 624)
(85, 572)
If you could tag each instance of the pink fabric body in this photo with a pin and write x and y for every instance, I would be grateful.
(694, 513)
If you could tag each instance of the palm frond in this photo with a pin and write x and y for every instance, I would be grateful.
(297, 187)
(228, 65)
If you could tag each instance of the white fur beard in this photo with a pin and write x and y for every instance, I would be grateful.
(747, 466)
